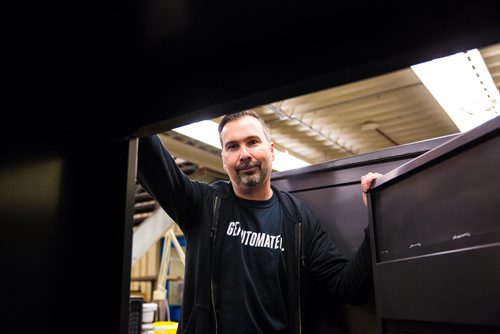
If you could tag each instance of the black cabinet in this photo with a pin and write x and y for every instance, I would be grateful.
(435, 222)
(332, 190)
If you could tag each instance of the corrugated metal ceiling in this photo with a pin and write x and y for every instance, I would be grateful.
(359, 117)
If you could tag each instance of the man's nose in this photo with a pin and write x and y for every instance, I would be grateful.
(244, 154)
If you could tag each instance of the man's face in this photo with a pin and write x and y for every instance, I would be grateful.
(246, 154)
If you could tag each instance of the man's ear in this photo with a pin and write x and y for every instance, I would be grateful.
(272, 150)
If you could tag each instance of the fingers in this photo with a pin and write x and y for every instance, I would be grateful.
(366, 183)
(367, 180)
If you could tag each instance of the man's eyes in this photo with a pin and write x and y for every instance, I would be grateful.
(252, 142)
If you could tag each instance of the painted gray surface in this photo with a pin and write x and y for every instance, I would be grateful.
(436, 226)
(332, 190)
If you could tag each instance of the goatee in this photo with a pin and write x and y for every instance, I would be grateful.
(249, 180)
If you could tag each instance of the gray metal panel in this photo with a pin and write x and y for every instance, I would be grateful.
(455, 199)
(460, 287)
(333, 191)
(435, 222)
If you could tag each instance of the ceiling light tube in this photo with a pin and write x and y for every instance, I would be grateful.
(462, 85)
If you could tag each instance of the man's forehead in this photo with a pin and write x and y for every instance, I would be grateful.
(242, 129)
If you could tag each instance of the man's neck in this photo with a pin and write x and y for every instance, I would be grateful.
(254, 194)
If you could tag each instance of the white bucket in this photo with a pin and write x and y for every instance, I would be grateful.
(148, 312)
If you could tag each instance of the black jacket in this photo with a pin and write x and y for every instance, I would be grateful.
(202, 212)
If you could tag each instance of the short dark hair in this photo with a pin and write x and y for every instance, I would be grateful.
(237, 115)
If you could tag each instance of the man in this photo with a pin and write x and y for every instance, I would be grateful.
(253, 252)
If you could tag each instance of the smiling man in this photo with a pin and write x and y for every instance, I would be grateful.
(252, 251)
(247, 155)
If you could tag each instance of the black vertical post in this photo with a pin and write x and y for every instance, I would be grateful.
(96, 230)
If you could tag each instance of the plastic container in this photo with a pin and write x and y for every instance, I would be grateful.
(165, 327)
(175, 312)
(147, 329)
(148, 312)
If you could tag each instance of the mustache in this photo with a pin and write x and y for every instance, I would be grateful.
(246, 165)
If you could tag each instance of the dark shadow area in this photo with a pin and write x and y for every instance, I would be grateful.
(85, 78)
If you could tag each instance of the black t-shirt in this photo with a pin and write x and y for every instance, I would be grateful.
(251, 270)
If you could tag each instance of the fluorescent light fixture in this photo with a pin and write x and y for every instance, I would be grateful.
(462, 85)
(205, 131)
(208, 133)
(284, 161)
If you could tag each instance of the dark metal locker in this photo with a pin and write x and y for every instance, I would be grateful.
(332, 190)
(435, 223)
